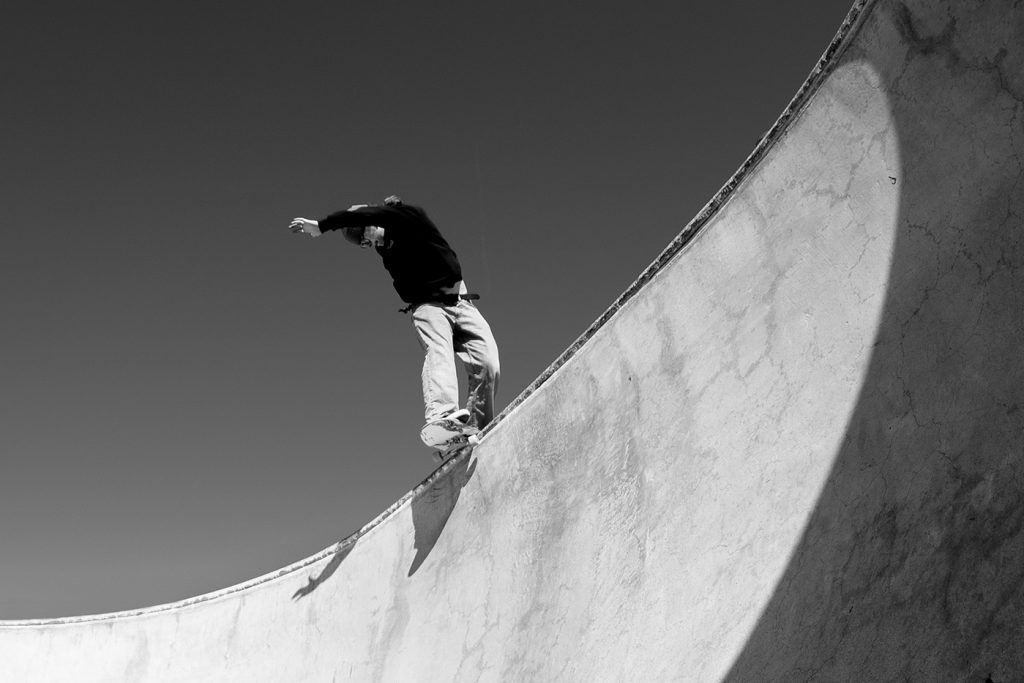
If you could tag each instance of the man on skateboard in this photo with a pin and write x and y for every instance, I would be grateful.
(428, 277)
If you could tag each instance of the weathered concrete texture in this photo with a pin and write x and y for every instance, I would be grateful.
(793, 451)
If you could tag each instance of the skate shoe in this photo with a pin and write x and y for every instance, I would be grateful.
(440, 433)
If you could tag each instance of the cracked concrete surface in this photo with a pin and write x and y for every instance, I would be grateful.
(792, 450)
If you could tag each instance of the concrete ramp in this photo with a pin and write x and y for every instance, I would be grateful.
(793, 450)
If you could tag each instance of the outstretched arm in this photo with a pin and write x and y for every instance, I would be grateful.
(352, 221)
(360, 216)
(353, 216)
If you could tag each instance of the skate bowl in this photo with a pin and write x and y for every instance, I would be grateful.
(792, 450)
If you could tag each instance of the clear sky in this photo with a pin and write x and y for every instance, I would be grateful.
(190, 395)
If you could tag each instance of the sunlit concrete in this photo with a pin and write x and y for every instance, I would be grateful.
(793, 450)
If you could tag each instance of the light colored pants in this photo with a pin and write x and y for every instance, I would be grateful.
(447, 332)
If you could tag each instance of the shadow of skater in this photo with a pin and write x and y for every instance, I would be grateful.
(332, 566)
(432, 508)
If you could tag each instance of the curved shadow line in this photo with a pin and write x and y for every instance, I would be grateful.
(909, 566)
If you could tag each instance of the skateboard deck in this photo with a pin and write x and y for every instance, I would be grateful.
(455, 445)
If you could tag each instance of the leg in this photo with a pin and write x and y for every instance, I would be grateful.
(440, 383)
(476, 348)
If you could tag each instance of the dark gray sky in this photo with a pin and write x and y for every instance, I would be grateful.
(191, 396)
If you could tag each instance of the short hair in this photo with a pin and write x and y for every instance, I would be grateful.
(393, 200)
(353, 234)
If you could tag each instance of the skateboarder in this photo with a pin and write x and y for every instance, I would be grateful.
(428, 277)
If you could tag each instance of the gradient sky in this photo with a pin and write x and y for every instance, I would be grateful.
(190, 395)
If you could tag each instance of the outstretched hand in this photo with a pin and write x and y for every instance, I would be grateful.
(304, 225)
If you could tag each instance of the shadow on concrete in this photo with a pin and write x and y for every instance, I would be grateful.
(430, 508)
(433, 506)
(314, 581)
(912, 563)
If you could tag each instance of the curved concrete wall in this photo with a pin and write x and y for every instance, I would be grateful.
(792, 451)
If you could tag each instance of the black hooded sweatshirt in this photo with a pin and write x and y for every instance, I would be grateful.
(418, 258)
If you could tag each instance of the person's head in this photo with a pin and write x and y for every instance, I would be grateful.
(370, 236)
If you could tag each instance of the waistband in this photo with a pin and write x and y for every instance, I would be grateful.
(441, 298)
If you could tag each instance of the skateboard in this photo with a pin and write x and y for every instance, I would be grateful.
(443, 452)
